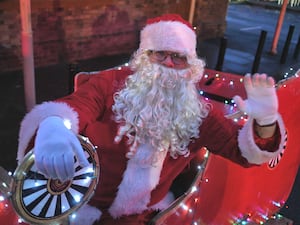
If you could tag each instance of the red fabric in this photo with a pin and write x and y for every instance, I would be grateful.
(93, 101)
(233, 191)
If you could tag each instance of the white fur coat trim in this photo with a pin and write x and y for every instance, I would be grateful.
(250, 150)
(138, 181)
(31, 121)
(164, 203)
(86, 215)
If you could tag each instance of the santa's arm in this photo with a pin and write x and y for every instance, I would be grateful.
(261, 103)
(265, 131)
(32, 120)
(257, 148)
(76, 110)
(50, 128)
(261, 106)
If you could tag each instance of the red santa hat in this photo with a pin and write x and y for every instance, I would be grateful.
(169, 32)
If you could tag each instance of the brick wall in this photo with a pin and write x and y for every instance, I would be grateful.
(210, 18)
(68, 30)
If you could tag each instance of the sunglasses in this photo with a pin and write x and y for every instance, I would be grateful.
(160, 56)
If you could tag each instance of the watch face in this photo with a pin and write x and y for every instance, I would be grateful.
(39, 200)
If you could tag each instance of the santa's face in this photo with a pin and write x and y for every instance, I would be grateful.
(159, 105)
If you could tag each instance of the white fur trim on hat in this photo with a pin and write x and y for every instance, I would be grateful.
(169, 36)
(31, 122)
(250, 150)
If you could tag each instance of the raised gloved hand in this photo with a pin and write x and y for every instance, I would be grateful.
(54, 149)
(261, 103)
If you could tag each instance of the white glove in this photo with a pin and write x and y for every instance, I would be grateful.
(262, 102)
(54, 149)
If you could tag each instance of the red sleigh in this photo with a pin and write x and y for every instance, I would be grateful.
(228, 193)
(222, 192)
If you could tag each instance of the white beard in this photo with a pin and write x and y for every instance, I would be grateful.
(160, 106)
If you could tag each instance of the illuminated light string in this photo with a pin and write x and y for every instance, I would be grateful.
(230, 107)
(290, 73)
(191, 208)
(246, 219)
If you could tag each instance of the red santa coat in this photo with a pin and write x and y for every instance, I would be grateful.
(129, 193)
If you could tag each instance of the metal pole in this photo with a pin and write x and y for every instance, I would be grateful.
(287, 44)
(278, 27)
(27, 53)
(259, 50)
(221, 55)
(297, 49)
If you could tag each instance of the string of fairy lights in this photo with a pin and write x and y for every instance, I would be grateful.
(190, 207)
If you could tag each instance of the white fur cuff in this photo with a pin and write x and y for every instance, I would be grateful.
(250, 150)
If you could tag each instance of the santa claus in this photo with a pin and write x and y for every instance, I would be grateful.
(148, 122)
